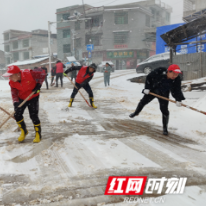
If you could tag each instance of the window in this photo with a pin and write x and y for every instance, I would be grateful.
(66, 16)
(25, 43)
(7, 48)
(15, 45)
(8, 60)
(94, 22)
(167, 16)
(147, 23)
(95, 39)
(120, 37)
(6, 36)
(66, 48)
(26, 55)
(78, 43)
(77, 25)
(121, 18)
(66, 33)
(16, 56)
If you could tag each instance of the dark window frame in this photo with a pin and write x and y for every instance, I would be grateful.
(15, 45)
(7, 46)
(6, 36)
(25, 43)
(26, 57)
(66, 48)
(14, 58)
(96, 39)
(94, 22)
(121, 17)
(121, 38)
(66, 16)
(66, 33)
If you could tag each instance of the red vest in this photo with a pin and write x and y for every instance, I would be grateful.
(81, 75)
(26, 85)
(59, 68)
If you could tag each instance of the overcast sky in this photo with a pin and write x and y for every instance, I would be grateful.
(29, 15)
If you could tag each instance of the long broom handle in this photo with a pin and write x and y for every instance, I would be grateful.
(6, 112)
(11, 115)
(78, 90)
(184, 105)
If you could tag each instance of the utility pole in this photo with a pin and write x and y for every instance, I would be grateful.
(49, 34)
(49, 44)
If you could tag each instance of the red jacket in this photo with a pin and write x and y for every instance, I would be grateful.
(82, 75)
(59, 67)
(29, 79)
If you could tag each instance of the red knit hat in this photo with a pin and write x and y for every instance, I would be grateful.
(175, 68)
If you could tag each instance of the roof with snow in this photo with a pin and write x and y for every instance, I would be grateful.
(27, 62)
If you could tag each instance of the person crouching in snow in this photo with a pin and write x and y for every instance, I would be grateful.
(83, 78)
(162, 81)
(23, 83)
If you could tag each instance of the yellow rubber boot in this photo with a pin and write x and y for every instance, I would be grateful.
(23, 129)
(38, 133)
(70, 102)
(92, 102)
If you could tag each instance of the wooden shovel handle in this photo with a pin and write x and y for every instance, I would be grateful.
(184, 105)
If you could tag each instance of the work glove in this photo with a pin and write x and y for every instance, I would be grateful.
(37, 88)
(178, 104)
(146, 91)
(65, 74)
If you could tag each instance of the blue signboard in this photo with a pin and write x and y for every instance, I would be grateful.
(183, 49)
(90, 47)
(89, 54)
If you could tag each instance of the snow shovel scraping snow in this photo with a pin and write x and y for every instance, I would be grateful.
(79, 92)
(11, 115)
(184, 105)
(6, 112)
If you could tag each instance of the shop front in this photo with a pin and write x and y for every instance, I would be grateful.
(124, 59)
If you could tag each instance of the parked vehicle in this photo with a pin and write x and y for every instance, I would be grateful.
(153, 62)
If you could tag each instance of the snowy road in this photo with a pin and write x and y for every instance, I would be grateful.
(82, 147)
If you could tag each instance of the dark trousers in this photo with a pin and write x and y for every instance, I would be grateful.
(33, 107)
(46, 81)
(148, 98)
(86, 87)
(52, 79)
(73, 77)
(59, 75)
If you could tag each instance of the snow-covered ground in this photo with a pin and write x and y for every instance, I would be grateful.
(82, 147)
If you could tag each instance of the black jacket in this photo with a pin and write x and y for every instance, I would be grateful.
(77, 68)
(157, 80)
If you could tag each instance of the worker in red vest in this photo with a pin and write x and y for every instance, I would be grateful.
(59, 72)
(23, 83)
(83, 78)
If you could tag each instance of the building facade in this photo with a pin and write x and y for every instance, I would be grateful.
(22, 45)
(123, 34)
(194, 9)
(2, 60)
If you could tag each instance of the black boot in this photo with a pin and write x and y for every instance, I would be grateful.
(133, 114)
(165, 120)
